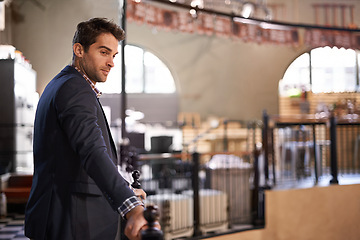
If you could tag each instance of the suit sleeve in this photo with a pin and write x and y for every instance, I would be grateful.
(77, 107)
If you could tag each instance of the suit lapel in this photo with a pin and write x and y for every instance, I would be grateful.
(113, 148)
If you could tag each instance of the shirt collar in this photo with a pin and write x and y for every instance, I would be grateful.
(97, 91)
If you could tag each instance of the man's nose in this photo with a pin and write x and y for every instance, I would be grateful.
(111, 62)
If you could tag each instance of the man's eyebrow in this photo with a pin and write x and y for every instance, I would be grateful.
(107, 48)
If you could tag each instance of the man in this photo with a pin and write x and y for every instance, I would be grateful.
(77, 192)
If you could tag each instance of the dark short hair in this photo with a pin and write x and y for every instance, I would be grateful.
(87, 31)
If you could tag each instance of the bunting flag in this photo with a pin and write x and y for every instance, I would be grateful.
(185, 22)
(321, 38)
(213, 25)
(204, 23)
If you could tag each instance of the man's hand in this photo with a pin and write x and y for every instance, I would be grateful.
(140, 193)
(135, 223)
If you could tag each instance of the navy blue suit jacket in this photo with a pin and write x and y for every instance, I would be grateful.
(76, 187)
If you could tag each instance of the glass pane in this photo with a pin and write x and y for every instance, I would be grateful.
(144, 73)
(296, 77)
(157, 75)
(333, 70)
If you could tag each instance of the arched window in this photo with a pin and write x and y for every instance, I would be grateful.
(145, 73)
(324, 70)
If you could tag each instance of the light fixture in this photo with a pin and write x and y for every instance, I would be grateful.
(255, 10)
(193, 13)
(247, 9)
(197, 3)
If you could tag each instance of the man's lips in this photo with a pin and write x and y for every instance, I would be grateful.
(105, 71)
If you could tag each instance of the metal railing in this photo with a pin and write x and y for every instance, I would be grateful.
(219, 199)
(200, 200)
(198, 197)
(303, 149)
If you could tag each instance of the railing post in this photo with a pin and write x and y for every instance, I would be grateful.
(265, 139)
(195, 186)
(272, 157)
(315, 155)
(333, 151)
(256, 201)
(226, 141)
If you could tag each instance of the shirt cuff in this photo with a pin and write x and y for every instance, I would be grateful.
(129, 204)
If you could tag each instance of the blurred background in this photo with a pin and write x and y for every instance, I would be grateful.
(224, 101)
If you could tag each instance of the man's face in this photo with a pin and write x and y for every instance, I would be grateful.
(99, 59)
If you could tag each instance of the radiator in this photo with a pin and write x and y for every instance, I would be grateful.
(213, 210)
(177, 212)
(235, 183)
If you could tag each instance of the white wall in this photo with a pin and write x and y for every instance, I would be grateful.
(45, 36)
(219, 76)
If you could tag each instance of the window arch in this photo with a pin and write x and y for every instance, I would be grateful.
(145, 73)
(322, 69)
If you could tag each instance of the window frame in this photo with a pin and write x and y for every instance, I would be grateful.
(309, 85)
(140, 87)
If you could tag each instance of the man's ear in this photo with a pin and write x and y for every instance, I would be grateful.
(78, 49)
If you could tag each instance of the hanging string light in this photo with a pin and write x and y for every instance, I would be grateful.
(246, 8)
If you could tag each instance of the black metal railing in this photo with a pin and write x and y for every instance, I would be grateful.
(345, 133)
(212, 199)
(300, 149)
(198, 197)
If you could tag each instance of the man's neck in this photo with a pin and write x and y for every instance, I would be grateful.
(77, 65)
